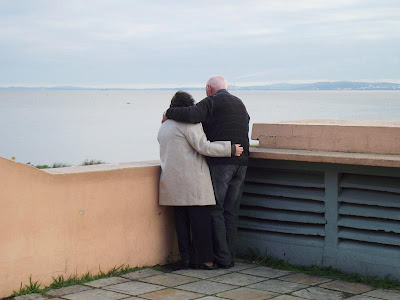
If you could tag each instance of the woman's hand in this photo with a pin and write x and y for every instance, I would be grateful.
(164, 118)
(239, 150)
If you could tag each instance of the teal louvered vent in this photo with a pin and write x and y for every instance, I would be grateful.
(284, 203)
(369, 212)
(341, 216)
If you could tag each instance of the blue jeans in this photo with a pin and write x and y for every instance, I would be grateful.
(228, 181)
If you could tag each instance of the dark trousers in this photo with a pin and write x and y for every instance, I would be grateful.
(193, 227)
(228, 181)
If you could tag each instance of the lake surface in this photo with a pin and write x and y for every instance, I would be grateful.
(43, 127)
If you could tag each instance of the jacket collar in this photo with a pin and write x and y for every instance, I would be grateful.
(222, 91)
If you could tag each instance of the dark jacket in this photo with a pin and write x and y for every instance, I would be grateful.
(224, 118)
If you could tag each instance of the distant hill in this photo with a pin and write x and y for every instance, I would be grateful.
(326, 86)
(47, 88)
(337, 85)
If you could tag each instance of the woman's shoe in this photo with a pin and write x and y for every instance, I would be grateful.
(185, 265)
(193, 266)
(207, 267)
(181, 265)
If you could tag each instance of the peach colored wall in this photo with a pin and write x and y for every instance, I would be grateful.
(78, 221)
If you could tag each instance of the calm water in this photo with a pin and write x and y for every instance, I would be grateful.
(71, 126)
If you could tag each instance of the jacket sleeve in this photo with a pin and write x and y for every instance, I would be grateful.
(198, 140)
(198, 113)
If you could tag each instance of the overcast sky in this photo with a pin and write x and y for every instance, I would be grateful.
(119, 43)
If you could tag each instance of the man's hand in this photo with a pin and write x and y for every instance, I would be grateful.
(239, 150)
(164, 118)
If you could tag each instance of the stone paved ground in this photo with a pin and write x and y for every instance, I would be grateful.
(243, 282)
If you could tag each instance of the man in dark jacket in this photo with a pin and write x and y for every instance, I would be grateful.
(224, 118)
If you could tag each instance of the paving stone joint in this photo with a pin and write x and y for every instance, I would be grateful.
(246, 281)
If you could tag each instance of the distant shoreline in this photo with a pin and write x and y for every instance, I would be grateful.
(324, 86)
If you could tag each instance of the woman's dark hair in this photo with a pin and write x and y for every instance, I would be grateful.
(182, 99)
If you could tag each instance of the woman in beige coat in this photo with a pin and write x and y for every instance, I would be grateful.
(185, 183)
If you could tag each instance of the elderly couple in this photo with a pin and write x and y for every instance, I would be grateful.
(210, 137)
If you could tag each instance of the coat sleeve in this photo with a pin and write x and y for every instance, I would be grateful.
(198, 113)
(198, 140)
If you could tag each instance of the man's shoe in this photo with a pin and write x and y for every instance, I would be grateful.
(222, 266)
(206, 267)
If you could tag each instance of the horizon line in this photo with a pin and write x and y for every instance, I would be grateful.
(190, 86)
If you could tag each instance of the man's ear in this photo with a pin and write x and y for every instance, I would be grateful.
(209, 90)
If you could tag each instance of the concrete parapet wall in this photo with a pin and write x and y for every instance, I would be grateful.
(380, 137)
(76, 220)
(309, 201)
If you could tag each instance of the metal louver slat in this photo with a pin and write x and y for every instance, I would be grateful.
(375, 183)
(284, 227)
(281, 215)
(283, 203)
(285, 191)
(367, 197)
(369, 211)
(370, 236)
(370, 224)
(279, 177)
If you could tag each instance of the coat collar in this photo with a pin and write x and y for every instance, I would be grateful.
(222, 91)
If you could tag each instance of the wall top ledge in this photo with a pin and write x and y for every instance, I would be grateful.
(352, 136)
(102, 167)
(362, 123)
(361, 159)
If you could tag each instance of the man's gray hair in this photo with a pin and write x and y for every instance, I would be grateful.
(217, 82)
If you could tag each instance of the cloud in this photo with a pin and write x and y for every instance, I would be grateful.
(149, 42)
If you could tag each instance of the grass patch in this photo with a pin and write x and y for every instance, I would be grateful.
(43, 167)
(374, 281)
(159, 268)
(89, 162)
(32, 287)
(55, 165)
(86, 162)
(60, 281)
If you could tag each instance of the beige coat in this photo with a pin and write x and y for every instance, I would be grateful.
(185, 177)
